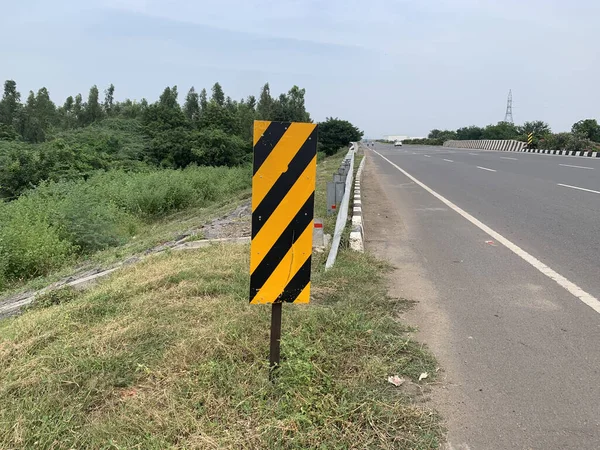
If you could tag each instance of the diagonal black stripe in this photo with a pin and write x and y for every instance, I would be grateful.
(297, 283)
(284, 183)
(267, 142)
(283, 244)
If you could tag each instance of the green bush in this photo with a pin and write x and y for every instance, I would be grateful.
(335, 134)
(58, 221)
(425, 141)
(29, 244)
(566, 141)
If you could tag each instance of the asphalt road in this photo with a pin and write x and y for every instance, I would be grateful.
(519, 343)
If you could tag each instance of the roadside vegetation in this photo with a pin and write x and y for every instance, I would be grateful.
(168, 353)
(92, 175)
(584, 135)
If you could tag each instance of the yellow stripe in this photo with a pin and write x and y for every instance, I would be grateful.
(278, 160)
(283, 215)
(304, 296)
(287, 268)
(260, 126)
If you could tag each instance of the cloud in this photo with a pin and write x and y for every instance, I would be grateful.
(390, 66)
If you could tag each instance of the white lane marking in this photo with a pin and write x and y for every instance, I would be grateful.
(473, 154)
(586, 298)
(415, 153)
(580, 188)
(576, 167)
(449, 160)
(506, 157)
(485, 168)
(427, 156)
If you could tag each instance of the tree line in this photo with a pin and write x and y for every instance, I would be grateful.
(41, 141)
(584, 135)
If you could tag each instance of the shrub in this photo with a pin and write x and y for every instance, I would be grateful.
(47, 226)
(214, 147)
(565, 141)
(425, 141)
(29, 244)
(335, 134)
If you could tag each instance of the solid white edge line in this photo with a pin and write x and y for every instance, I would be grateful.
(586, 298)
(576, 167)
(449, 160)
(579, 188)
(485, 168)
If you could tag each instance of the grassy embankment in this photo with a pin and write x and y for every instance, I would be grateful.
(169, 354)
(56, 227)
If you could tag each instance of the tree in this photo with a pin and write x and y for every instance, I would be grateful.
(78, 111)
(166, 126)
(218, 96)
(215, 116)
(264, 108)
(65, 114)
(539, 128)
(191, 107)
(130, 109)
(335, 134)
(28, 123)
(8, 132)
(93, 110)
(10, 103)
(109, 99)
(203, 100)
(168, 98)
(245, 116)
(214, 147)
(502, 131)
(295, 108)
(588, 129)
(251, 102)
(45, 109)
(469, 133)
(445, 135)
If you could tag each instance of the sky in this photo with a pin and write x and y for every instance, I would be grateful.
(389, 66)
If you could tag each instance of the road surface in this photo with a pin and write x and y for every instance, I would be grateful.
(502, 252)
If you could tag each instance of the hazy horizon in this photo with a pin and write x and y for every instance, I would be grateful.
(399, 67)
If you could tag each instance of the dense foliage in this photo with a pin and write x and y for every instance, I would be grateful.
(336, 133)
(56, 222)
(585, 135)
(84, 176)
(41, 142)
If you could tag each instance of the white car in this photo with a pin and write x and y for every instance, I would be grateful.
(397, 144)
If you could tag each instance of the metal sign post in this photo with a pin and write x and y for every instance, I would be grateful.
(283, 193)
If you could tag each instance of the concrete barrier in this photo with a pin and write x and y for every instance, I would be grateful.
(508, 145)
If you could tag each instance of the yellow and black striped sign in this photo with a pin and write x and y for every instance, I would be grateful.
(529, 138)
(283, 193)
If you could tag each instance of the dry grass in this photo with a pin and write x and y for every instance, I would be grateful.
(169, 354)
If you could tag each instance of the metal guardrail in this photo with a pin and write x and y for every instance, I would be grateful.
(342, 216)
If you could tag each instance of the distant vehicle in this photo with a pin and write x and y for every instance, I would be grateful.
(398, 144)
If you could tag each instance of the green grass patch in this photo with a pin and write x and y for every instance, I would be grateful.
(58, 223)
(169, 354)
